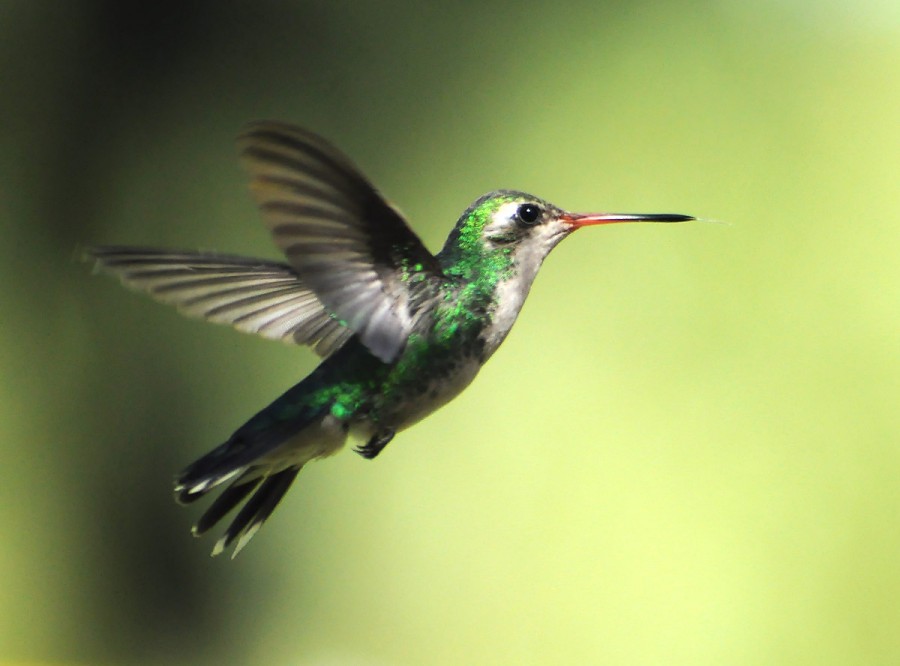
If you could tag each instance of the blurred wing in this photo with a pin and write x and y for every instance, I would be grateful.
(347, 244)
(253, 295)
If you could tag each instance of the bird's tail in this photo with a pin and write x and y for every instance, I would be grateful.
(250, 471)
(257, 486)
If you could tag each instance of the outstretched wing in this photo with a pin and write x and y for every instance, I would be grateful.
(253, 295)
(347, 244)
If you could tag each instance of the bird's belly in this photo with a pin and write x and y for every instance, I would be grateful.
(409, 402)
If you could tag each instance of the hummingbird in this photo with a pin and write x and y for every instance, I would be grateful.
(401, 331)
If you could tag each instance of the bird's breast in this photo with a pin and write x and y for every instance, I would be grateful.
(509, 298)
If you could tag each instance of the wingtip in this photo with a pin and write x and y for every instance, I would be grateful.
(82, 253)
(90, 254)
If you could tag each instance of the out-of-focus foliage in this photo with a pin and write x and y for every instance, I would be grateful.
(686, 453)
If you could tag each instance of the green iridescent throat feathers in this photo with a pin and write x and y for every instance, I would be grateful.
(402, 331)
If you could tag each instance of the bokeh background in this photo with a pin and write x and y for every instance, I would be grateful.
(687, 451)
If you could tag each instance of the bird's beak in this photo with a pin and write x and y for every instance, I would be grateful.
(578, 220)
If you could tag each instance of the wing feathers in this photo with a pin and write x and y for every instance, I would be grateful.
(254, 296)
(344, 240)
(354, 264)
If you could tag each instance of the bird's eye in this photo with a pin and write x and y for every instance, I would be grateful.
(529, 213)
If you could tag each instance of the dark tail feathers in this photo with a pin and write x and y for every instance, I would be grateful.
(223, 464)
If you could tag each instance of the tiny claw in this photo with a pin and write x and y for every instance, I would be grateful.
(375, 445)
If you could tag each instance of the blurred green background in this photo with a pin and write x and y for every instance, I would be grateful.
(687, 451)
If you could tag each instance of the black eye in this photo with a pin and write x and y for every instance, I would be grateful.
(529, 213)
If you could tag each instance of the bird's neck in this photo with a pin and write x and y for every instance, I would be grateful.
(493, 285)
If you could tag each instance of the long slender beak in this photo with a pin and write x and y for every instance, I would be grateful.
(578, 220)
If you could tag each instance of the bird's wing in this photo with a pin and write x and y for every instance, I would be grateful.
(348, 245)
(253, 295)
